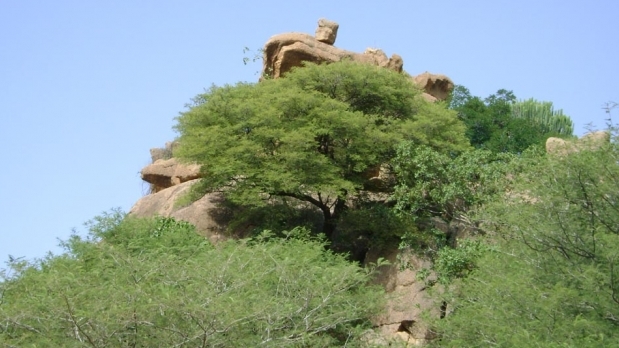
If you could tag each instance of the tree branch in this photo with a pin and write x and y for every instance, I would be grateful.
(77, 326)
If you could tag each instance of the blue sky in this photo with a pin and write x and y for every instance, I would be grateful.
(88, 87)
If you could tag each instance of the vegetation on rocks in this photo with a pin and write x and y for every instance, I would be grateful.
(524, 245)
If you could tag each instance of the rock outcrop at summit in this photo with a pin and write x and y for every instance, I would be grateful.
(327, 31)
(285, 51)
(165, 171)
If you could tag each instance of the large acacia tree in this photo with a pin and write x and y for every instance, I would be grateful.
(312, 135)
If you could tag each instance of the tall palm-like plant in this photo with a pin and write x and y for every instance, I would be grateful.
(545, 115)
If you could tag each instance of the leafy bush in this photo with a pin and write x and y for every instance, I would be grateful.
(431, 183)
(156, 283)
(280, 215)
(458, 262)
(553, 279)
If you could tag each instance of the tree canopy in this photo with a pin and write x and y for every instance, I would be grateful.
(313, 135)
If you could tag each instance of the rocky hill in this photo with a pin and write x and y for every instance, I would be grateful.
(170, 180)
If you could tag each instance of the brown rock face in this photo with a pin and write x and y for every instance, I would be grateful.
(380, 178)
(207, 214)
(326, 31)
(395, 63)
(558, 146)
(165, 173)
(407, 298)
(438, 86)
(285, 51)
(379, 58)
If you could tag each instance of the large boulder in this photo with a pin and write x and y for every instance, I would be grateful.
(436, 85)
(166, 173)
(208, 214)
(326, 31)
(285, 51)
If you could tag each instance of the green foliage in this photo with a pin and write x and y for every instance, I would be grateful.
(452, 263)
(156, 283)
(431, 183)
(501, 124)
(371, 225)
(552, 279)
(484, 119)
(459, 97)
(543, 114)
(311, 135)
(507, 302)
(435, 185)
(281, 215)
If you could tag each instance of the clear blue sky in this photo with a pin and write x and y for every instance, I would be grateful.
(88, 87)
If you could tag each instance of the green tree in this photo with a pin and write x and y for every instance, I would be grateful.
(157, 283)
(434, 188)
(544, 115)
(431, 183)
(552, 278)
(501, 124)
(484, 118)
(312, 135)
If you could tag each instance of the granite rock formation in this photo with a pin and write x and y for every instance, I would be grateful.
(285, 51)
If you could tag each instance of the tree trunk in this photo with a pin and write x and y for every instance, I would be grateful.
(331, 219)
